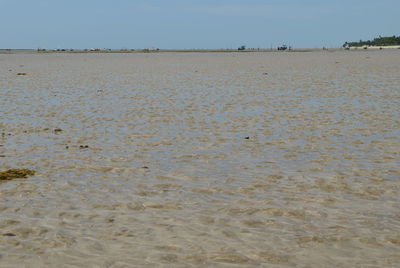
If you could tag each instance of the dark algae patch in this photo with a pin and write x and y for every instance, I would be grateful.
(9, 234)
(15, 174)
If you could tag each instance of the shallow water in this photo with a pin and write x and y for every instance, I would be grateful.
(169, 177)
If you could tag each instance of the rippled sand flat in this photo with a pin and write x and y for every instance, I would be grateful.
(201, 160)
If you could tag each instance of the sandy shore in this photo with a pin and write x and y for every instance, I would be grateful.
(135, 51)
(201, 159)
(375, 47)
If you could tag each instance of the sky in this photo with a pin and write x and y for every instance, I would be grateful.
(188, 24)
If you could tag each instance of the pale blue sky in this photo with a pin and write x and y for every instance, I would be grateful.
(193, 23)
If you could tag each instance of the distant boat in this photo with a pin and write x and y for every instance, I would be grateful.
(283, 47)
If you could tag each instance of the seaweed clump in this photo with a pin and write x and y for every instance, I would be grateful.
(15, 174)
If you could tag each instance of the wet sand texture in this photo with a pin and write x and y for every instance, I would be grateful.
(201, 160)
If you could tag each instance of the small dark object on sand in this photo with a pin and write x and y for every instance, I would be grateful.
(67, 147)
(57, 130)
(21, 73)
(84, 146)
(265, 73)
(15, 174)
(145, 167)
(247, 138)
(9, 234)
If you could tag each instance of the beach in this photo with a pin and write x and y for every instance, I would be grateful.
(201, 159)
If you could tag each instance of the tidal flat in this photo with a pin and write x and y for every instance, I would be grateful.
(201, 159)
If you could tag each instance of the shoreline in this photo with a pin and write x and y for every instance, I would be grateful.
(104, 51)
(375, 47)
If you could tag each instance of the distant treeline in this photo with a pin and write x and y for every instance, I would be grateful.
(379, 41)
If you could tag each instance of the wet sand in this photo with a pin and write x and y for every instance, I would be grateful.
(201, 160)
